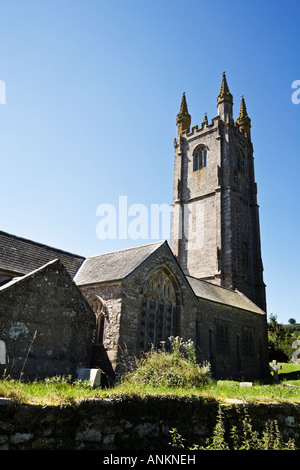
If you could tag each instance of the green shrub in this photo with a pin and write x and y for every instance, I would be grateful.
(279, 341)
(177, 368)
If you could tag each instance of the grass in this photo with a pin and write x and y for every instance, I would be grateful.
(165, 374)
(55, 391)
(61, 393)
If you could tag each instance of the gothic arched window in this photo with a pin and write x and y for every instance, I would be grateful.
(99, 308)
(200, 158)
(157, 310)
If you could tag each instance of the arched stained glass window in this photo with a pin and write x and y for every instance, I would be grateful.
(157, 310)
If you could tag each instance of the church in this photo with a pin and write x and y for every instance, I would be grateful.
(60, 312)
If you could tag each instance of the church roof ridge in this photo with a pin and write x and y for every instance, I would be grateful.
(116, 265)
(33, 242)
(126, 249)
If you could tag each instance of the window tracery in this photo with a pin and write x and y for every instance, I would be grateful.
(99, 308)
(157, 310)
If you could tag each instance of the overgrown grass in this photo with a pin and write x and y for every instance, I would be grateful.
(52, 391)
(160, 373)
(174, 369)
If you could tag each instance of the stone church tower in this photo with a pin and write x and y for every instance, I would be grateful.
(215, 232)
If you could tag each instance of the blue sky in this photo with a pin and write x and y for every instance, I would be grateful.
(92, 93)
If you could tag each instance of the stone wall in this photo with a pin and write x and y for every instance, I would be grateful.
(235, 361)
(112, 294)
(129, 424)
(46, 324)
(200, 203)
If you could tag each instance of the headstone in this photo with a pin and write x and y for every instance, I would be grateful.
(295, 355)
(246, 384)
(275, 368)
(92, 375)
(2, 353)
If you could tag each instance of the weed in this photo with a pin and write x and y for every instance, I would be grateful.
(241, 437)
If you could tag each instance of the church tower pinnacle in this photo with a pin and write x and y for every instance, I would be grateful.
(183, 119)
(224, 99)
(243, 120)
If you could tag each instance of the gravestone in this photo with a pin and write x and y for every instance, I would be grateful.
(295, 355)
(2, 353)
(275, 368)
(92, 375)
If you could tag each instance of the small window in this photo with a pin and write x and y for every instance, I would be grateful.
(240, 160)
(248, 342)
(200, 158)
(245, 259)
(222, 339)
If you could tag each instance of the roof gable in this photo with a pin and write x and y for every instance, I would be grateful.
(55, 264)
(116, 265)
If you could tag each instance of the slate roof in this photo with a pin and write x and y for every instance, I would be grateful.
(20, 256)
(114, 266)
(233, 298)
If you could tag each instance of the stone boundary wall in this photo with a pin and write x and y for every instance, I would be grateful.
(128, 424)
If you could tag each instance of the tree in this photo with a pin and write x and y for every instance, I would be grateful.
(292, 321)
(279, 341)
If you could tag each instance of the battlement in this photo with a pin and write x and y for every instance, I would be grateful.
(196, 131)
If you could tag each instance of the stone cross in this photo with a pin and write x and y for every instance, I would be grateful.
(275, 368)
(2, 353)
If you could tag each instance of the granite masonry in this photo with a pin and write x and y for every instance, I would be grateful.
(132, 424)
(46, 324)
